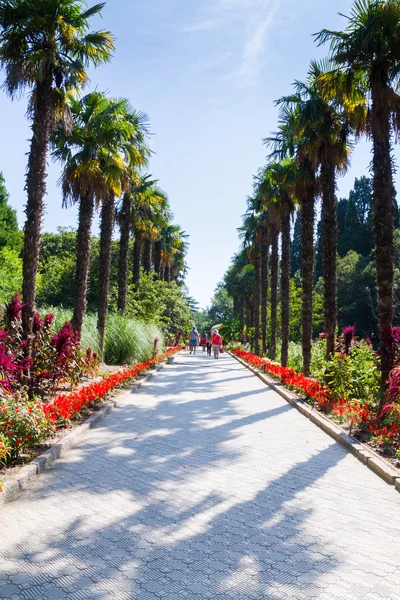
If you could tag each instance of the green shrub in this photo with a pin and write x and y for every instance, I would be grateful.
(295, 357)
(355, 376)
(318, 359)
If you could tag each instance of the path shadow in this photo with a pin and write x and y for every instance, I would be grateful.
(158, 503)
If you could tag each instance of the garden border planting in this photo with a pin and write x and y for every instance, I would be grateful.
(20, 482)
(357, 448)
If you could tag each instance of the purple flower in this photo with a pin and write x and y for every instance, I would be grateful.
(14, 308)
(348, 336)
(4, 335)
(37, 323)
(64, 342)
(48, 320)
(396, 334)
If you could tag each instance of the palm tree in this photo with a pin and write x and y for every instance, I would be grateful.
(148, 213)
(173, 250)
(369, 47)
(294, 141)
(326, 123)
(274, 267)
(159, 217)
(45, 47)
(124, 218)
(250, 232)
(235, 286)
(127, 154)
(277, 181)
(89, 174)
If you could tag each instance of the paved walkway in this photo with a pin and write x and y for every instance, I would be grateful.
(204, 485)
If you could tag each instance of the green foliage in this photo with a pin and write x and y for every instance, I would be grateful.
(221, 309)
(296, 307)
(295, 357)
(57, 268)
(356, 232)
(23, 424)
(161, 303)
(355, 376)
(128, 340)
(10, 236)
(318, 359)
(10, 273)
(357, 293)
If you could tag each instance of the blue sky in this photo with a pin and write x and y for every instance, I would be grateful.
(207, 74)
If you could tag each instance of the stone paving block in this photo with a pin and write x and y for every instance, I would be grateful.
(203, 484)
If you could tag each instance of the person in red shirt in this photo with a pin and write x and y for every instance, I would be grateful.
(216, 343)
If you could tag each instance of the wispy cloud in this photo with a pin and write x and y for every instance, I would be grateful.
(241, 28)
(255, 43)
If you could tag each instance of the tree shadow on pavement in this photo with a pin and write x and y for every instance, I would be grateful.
(178, 495)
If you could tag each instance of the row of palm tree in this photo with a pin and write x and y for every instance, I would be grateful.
(46, 47)
(351, 94)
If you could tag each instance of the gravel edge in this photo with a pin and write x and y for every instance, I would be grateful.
(359, 450)
(20, 482)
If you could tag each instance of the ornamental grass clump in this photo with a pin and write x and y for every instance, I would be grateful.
(129, 340)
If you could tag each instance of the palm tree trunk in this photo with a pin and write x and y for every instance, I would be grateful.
(285, 288)
(264, 295)
(83, 246)
(147, 253)
(307, 267)
(167, 273)
(157, 258)
(274, 291)
(137, 257)
(330, 242)
(383, 219)
(36, 190)
(123, 266)
(249, 315)
(241, 314)
(106, 230)
(257, 289)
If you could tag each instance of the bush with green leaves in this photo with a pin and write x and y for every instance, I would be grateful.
(295, 356)
(355, 375)
(23, 423)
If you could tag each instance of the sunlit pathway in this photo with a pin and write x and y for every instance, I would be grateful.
(204, 485)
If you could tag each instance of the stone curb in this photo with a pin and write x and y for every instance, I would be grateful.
(359, 450)
(13, 487)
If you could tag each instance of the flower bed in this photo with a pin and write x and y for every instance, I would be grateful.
(317, 393)
(24, 423)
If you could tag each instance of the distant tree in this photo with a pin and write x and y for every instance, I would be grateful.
(10, 235)
(221, 309)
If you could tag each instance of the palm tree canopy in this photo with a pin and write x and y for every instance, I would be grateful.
(369, 47)
(49, 40)
(313, 124)
(371, 39)
(107, 140)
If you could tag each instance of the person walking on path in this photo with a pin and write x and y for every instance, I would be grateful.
(216, 343)
(193, 340)
(204, 340)
(209, 343)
